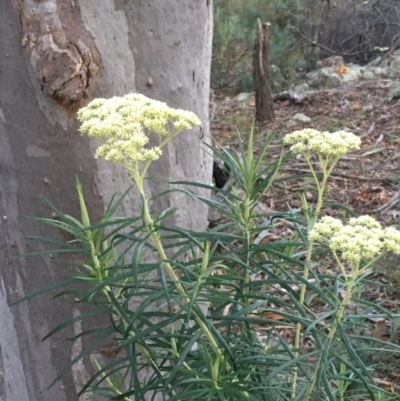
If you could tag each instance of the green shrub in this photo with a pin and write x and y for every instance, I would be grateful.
(206, 327)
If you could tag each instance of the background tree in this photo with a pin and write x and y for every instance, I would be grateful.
(57, 55)
(234, 37)
(261, 75)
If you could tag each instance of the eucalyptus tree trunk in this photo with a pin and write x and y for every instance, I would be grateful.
(56, 55)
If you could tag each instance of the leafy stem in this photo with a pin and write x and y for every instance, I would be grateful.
(327, 165)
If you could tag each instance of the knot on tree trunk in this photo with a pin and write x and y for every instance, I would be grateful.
(61, 52)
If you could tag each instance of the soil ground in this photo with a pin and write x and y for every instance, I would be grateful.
(368, 181)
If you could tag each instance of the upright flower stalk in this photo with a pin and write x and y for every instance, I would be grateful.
(327, 148)
(362, 239)
(125, 125)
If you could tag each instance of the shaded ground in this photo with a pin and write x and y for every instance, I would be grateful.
(367, 182)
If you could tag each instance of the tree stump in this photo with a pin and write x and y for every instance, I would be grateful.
(262, 86)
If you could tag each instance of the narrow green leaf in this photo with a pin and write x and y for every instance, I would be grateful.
(84, 352)
(45, 289)
(74, 320)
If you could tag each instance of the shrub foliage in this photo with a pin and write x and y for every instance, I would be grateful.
(235, 312)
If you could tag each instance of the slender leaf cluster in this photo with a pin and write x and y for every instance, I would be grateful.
(221, 323)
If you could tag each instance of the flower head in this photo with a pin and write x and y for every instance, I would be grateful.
(335, 144)
(362, 238)
(325, 228)
(392, 240)
(126, 123)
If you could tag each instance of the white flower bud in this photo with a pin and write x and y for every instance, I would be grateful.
(335, 144)
(126, 122)
(362, 238)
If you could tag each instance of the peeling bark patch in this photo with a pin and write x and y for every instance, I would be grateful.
(12, 377)
(34, 151)
(2, 379)
(79, 372)
(61, 52)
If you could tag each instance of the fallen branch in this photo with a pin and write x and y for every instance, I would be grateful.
(379, 60)
(296, 98)
(343, 176)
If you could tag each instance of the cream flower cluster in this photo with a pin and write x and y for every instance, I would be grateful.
(362, 238)
(126, 122)
(335, 144)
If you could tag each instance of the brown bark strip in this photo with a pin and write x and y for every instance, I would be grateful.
(262, 86)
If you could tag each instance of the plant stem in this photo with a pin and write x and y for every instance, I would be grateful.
(338, 321)
(160, 249)
(110, 383)
(247, 228)
(307, 265)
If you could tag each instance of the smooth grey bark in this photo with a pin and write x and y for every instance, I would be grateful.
(56, 55)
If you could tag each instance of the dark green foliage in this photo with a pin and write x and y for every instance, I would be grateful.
(236, 350)
(234, 37)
